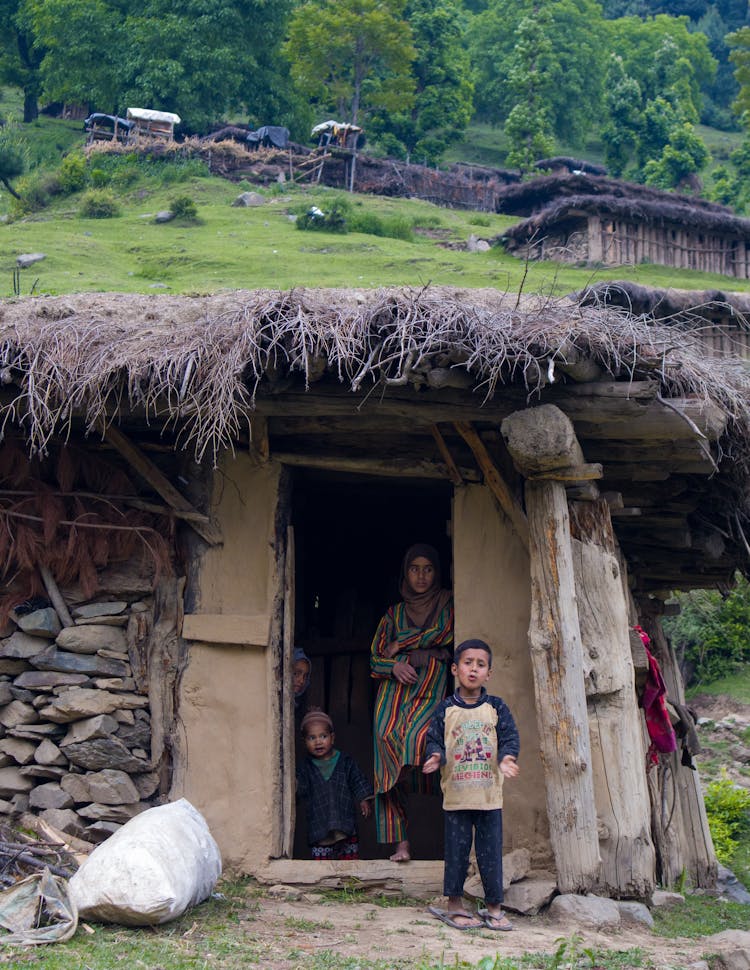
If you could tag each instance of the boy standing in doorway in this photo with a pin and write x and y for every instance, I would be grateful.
(473, 739)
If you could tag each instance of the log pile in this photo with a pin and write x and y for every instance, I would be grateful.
(23, 854)
(75, 724)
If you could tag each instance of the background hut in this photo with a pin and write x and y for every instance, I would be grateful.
(573, 464)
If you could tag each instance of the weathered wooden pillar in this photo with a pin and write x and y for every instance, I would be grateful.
(542, 441)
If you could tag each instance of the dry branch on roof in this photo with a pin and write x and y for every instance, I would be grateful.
(194, 365)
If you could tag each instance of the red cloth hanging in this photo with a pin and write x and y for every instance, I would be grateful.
(654, 703)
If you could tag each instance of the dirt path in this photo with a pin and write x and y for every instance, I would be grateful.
(290, 932)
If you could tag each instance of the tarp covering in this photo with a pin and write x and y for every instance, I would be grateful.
(269, 136)
(149, 114)
(38, 909)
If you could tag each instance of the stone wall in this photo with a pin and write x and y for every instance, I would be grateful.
(75, 730)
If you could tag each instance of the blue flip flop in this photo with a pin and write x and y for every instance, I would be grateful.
(505, 925)
(450, 918)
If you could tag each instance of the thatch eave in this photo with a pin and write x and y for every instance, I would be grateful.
(198, 366)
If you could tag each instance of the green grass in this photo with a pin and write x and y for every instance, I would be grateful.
(737, 685)
(700, 916)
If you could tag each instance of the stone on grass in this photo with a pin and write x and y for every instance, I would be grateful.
(49, 795)
(41, 623)
(28, 259)
(280, 891)
(633, 912)
(730, 887)
(164, 216)
(596, 912)
(89, 639)
(662, 897)
(249, 199)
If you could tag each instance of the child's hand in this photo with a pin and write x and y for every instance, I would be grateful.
(365, 807)
(509, 767)
(432, 764)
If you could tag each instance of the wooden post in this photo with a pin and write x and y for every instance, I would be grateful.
(557, 662)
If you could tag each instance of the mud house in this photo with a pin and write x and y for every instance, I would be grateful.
(217, 480)
(632, 228)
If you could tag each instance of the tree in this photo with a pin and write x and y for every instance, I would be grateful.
(739, 43)
(682, 157)
(352, 56)
(528, 127)
(20, 55)
(14, 156)
(575, 56)
(624, 105)
(444, 91)
(200, 61)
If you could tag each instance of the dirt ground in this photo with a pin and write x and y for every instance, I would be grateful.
(290, 932)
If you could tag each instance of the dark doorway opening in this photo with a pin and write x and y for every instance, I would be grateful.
(350, 536)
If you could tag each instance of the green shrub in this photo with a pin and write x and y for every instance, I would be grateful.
(72, 173)
(479, 221)
(728, 811)
(183, 207)
(392, 227)
(35, 193)
(99, 178)
(334, 219)
(99, 204)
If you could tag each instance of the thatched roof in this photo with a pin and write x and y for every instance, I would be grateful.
(662, 212)
(195, 368)
(669, 305)
(573, 165)
(536, 194)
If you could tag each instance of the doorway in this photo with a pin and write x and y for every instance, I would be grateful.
(350, 535)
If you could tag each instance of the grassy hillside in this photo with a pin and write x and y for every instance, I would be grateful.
(230, 247)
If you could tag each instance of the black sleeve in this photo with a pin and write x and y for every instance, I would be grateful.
(507, 733)
(359, 786)
(436, 734)
(303, 789)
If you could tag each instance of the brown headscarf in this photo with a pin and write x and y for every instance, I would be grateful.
(422, 608)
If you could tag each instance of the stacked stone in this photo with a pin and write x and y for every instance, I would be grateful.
(75, 732)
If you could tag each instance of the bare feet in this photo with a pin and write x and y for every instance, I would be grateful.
(402, 853)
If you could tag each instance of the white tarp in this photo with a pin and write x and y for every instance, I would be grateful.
(149, 114)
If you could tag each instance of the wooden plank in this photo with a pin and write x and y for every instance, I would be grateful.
(494, 480)
(287, 701)
(251, 630)
(573, 473)
(160, 483)
(453, 472)
(396, 467)
(420, 879)
(259, 444)
(558, 667)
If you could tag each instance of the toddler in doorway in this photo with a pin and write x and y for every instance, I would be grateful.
(333, 787)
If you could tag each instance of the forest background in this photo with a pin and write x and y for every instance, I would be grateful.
(635, 78)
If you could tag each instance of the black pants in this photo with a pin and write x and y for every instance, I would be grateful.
(488, 843)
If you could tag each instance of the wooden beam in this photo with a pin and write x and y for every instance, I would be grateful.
(251, 630)
(453, 472)
(396, 467)
(494, 480)
(557, 663)
(259, 444)
(573, 473)
(160, 483)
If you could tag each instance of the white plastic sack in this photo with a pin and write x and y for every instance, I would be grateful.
(151, 870)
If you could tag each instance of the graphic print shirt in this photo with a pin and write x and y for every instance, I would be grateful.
(472, 739)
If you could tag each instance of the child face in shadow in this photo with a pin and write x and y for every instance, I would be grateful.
(319, 740)
(300, 674)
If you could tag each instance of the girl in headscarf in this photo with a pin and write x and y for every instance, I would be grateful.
(409, 656)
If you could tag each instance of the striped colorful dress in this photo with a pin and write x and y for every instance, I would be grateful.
(403, 711)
